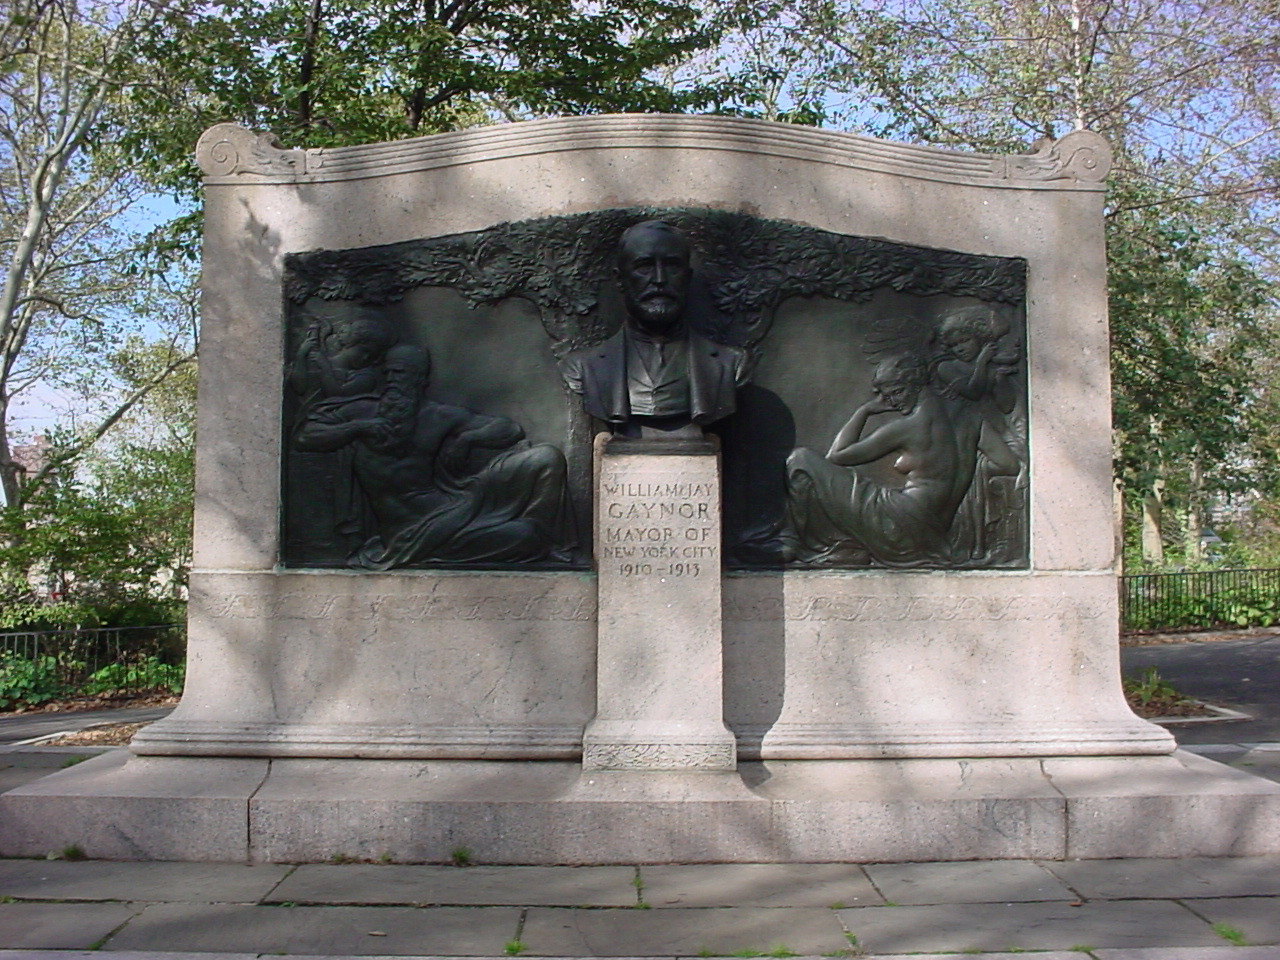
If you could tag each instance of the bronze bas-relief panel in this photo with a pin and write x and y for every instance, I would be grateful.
(428, 422)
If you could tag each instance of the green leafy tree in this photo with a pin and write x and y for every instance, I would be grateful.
(336, 72)
(73, 287)
(110, 544)
(1190, 331)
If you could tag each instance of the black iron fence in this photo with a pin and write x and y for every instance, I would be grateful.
(1203, 599)
(37, 666)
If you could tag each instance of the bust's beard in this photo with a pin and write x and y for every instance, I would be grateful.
(657, 314)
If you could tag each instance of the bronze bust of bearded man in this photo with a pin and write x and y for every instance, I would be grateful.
(656, 374)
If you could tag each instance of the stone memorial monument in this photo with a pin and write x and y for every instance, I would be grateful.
(637, 489)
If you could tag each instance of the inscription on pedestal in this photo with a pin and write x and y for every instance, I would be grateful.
(660, 663)
(658, 529)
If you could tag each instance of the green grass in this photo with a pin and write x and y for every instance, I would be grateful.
(461, 856)
(514, 948)
(1230, 934)
(853, 950)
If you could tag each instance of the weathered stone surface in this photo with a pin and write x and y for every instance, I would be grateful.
(1025, 926)
(142, 809)
(873, 811)
(1190, 953)
(1257, 919)
(659, 660)
(1183, 877)
(354, 931)
(757, 885)
(496, 666)
(912, 809)
(454, 886)
(906, 665)
(46, 926)
(971, 882)
(1119, 808)
(628, 933)
(107, 880)
(508, 813)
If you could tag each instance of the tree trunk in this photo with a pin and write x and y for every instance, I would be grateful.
(1117, 503)
(1152, 526)
(307, 68)
(1194, 526)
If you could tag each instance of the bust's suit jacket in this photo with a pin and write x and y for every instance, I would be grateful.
(599, 373)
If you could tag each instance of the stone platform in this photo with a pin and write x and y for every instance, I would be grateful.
(291, 810)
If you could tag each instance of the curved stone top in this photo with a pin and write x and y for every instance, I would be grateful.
(230, 153)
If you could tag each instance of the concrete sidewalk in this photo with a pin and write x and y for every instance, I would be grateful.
(1191, 909)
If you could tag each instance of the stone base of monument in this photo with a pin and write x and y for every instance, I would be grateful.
(659, 647)
(547, 812)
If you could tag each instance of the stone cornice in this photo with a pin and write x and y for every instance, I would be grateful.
(231, 154)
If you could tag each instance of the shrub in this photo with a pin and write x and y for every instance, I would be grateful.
(29, 681)
(146, 674)
(1197, 602)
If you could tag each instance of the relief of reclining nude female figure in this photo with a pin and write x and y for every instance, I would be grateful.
(837, 515)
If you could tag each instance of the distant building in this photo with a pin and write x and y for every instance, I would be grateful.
(30, 457)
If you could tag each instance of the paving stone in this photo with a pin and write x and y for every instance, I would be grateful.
(328, 931)
(1185, 877)
(1222, 752)
(1258, 918)
(136, 881)
(18, 768)
(1261, 762)
(62, 926)
(987, 881)
(1183, 953)
(48, 759)
(648, 933)
(1026, 926)
(11, 777)
(517, 886)
(129, 955)
(757, 885)
(1051, 955)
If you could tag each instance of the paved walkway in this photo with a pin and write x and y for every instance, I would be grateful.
(1190, 909)
(23, 728)
(1241, 673)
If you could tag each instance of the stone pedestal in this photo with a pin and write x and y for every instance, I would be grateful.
(660, 665)
(797, 811)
